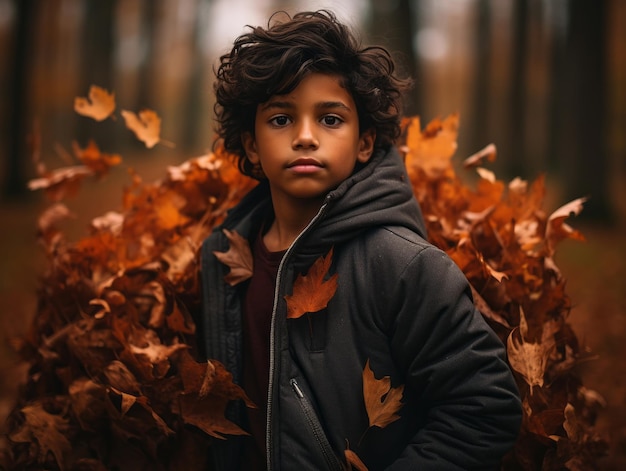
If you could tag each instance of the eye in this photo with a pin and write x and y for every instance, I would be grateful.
(280, 121)
(331, 120)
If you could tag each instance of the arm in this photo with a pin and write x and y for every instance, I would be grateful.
(455, 365)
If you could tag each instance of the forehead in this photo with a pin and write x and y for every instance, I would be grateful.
(318, 89)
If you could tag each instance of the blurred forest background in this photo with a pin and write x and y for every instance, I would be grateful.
(545, 80)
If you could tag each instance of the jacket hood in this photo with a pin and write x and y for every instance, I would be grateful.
(378, 194)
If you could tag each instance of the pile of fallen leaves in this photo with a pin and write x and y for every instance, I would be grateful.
(113, 380)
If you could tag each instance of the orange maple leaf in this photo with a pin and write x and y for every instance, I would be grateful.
(310, 292)
(146, 125)
(238, 257)
(99, 106)
(381, 400)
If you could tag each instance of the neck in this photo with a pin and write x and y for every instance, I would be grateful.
(290, 219)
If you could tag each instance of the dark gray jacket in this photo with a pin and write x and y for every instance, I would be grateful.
(402, 304)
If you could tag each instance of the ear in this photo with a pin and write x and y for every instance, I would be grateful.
(366, 145)
(249, 145)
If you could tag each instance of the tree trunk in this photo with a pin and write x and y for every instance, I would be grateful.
(587, 166)
(17, 149)
(393, 25)
(515, 151)
(479, 135)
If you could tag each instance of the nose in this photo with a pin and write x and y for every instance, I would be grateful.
(304, 137)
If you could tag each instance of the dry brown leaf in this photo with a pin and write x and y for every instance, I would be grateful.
(45, 429)
(311, 293)
(354, 462)
(146, 125)
(557, 229)
(238, 258)
(531, 358)
(382, 402)
(99, 106)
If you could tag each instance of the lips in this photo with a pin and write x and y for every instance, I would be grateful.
(305, 165)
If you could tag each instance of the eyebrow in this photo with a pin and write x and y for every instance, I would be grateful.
(287, 105)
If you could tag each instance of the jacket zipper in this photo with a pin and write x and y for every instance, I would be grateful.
(272, 366)
(316, 427)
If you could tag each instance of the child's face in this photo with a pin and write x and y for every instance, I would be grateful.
(307, 141)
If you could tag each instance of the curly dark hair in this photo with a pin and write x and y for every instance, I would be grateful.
(272, 61)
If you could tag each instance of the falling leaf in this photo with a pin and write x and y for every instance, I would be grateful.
(382, 402)
(146, 125)
(238, 258)
(311, 293)
(99, 106)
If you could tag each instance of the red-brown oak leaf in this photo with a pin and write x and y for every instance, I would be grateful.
(238, 258)
(382, 402)
(311, 293)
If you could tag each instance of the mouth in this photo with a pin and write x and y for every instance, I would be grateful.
(305, 165)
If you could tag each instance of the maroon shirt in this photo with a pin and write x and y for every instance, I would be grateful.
(257, 316)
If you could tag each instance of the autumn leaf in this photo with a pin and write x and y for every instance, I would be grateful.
(354, 462)
(432, 148)
(487, 153)
(46, 430)
(530, 358)
(382, 402)
(146, 125)
(557, 229)
(311, 293)
(99, 106)
(238, 258)
(208, 388)
(91, 156)
(61, 182)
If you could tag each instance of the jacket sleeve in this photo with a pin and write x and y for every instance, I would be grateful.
(455, 365)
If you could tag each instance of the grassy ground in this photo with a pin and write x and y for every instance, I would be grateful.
(596, 273)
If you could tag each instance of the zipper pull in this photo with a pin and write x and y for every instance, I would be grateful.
(296, 388)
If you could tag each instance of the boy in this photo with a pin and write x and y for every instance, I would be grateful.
(314, 117)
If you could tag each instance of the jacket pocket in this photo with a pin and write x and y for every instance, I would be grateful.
(331, 460)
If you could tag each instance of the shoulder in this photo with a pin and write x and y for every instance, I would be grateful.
(399, 253)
